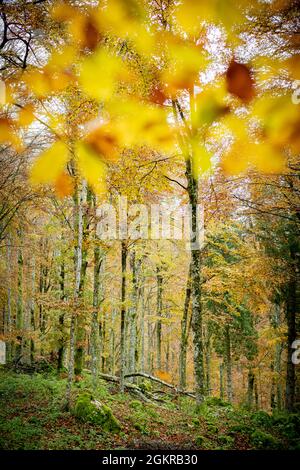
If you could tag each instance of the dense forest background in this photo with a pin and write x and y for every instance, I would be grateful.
(161, 102)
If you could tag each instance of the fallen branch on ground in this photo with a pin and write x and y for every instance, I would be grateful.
(162, 382)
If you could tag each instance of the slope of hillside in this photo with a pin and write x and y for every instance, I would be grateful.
(32, 417)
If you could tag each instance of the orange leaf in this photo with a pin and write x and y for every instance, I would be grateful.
(239, 81)
(64, 185)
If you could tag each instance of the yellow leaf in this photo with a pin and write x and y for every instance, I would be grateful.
(186, 61)
(50, 164)
(8, 134)
(190, 13)
(103, 141)
(209, 105)
(26, 116)
(266, 158)
(98, 74)
(201, 159)
(91, 167)
(235, 161)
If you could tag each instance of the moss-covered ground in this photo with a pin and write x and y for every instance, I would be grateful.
(32, 416)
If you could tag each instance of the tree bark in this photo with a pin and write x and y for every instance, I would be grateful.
(132, 314)
(142, 327)
(80, 321)
(19, 315)
(250, 392)
(78, 235)
(8, 323)
(221, 371)
(95, 322)
(195, 269)
(228, 363)
(159, 281)
(291, 310)
(123, 314)
(61, 348)
(184, 335)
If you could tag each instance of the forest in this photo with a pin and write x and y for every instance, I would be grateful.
(149, 224)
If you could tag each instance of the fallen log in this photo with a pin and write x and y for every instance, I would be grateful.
(145, 396)
(162, 382)
(129, 386)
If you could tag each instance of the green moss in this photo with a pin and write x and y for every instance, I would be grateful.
(226, 441)
(141, 427)
(261, 418)
(216, 401)
(240, 429)
(287, 424)
(199, 440)
(146, 386)
(136, 405)
(264, 440)
(212, 429)
(93, 412)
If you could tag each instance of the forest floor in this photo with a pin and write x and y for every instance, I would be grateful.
(32, 417)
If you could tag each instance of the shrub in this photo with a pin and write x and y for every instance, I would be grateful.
(216, 401)
(264, 440)
(261, 418)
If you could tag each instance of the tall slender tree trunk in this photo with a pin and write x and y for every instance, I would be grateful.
(132, 315)
(149, 347)
(81, 321)
(207, 365)
(112, 340)
(78, 235)
(228, 363)
(195, 263)
(250, 392)
(142, 327)
(123, 314)
(292, 306)
(95, 316)
(184, 335)
(8, 323)
(195, 270)
(159, 281)
(19, 315)
(221, 372)
(61, 347)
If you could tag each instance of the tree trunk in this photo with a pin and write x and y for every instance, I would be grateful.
(123, 314)
(221, 371)
(228, 363)
(195, 269)
(8, 323)
(61, 348)
(32, 311)
(142, 328)
(250, 393)
(207, 364)
(78, 234)
(184, 335)
(159, 281)
(95, 322)
(19, 315)
(132, 315)
(81, 321)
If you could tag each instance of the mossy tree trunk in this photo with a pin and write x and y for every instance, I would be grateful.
(185, 327)
(78, 236)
